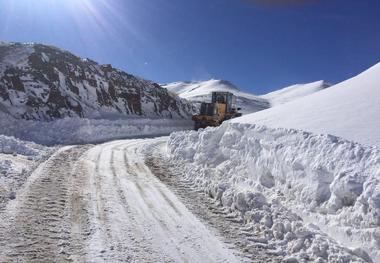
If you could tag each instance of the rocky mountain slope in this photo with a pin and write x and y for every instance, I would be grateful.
(39, 82)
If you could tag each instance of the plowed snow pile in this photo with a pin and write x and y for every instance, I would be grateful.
(81, 130)
(308, 196)
(17, 160)
(259, 172)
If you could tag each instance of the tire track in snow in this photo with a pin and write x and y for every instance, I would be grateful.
(117, 239)
(181, 225)
(228, 227)
(102, 204)
(36, 227)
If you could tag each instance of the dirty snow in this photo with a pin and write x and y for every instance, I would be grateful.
(17, 160)
(309, 196)
(101, 203)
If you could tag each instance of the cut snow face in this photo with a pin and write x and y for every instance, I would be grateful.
(41, 82)
(201, 92)
(349, 109)
(83, 130)
(299, 193)
(294, 92)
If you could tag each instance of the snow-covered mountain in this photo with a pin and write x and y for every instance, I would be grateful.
(200, 91)
(349, 109)
(41, 82)
(294, 92)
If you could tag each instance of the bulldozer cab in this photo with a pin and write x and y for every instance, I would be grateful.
(221, 108)
(226, 98)
(208, 109)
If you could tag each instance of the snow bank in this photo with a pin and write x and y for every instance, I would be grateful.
(11, 145)
(349, 110)
(261, 173)
(78, 130)
(17, 160)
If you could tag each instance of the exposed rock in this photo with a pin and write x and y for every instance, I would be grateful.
(41, 82)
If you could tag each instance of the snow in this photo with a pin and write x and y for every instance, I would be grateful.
(102, 203)
(294, 92)
(83, 130)
(200, 91)
(305, 194)
(159, 227)
(349, 109)
(194, 89)
(45, 83)
(17, 160)
(17, 58)
(306, 171)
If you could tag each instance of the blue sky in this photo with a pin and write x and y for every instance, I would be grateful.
(258, 47)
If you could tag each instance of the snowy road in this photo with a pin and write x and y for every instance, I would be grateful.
(103, 204)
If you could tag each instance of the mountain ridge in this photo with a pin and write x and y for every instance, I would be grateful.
(42, 82)
(200, 91)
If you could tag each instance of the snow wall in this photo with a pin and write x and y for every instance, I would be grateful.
(323, 179)
(81, 130)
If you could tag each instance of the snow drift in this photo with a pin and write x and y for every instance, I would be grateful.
(350, 109)
(294, 92)
(259, 171)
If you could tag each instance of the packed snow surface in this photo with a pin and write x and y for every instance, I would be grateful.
(298, 191)
(102, 203)
(200, 91)
(350, 109)
(294, 92)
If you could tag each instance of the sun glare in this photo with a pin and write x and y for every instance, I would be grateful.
(110, 18)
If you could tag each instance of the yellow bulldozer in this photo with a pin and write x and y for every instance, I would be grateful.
(222, 107)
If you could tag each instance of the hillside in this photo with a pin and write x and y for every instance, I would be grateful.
(349, 109)
(294, 92)
(40, 82)
(201, 92)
